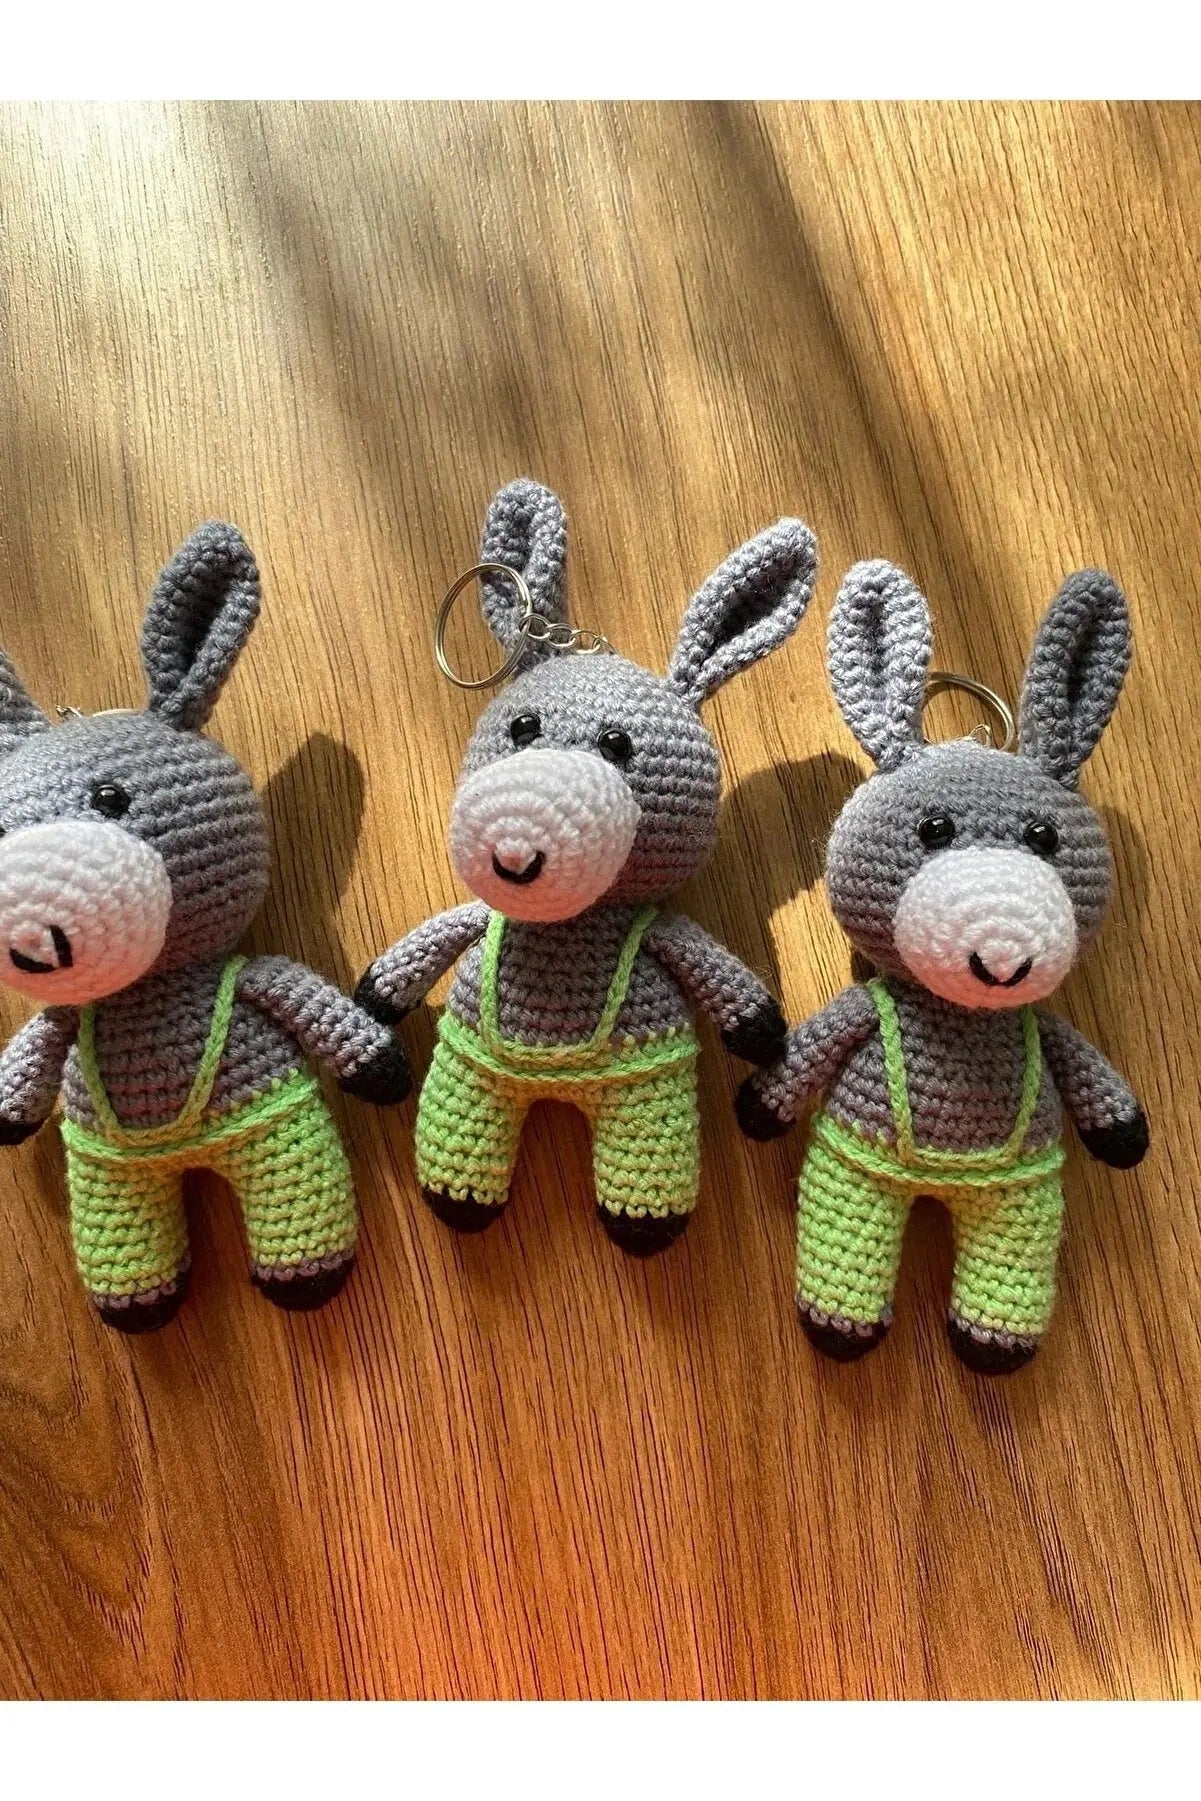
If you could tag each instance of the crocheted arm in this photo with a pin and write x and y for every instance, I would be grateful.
(746, 1015)
(364, 1056)
(31, 1071)
(1107, 1115)
(770, 1099)
(402, 977)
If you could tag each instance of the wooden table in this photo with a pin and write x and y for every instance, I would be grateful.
(962, 337)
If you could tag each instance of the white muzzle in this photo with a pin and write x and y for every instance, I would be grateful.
(542, 834)
(83, 910)
(986, 927)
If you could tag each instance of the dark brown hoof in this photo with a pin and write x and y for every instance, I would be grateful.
(467, 1215)
(645, 1235)
(384, 1079)
(755, 1117)
(301, 1287)
(845, 1340)
(144, 1312)
(987, 1351)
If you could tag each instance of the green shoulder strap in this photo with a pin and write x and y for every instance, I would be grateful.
(894, 1065)
(615, 999)
(898, 1081)
(1032, 1080)
(619, 987)
(206, 1071)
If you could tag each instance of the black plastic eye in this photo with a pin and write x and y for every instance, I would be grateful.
(937, 831)
(524, 729)
(615, 746)
(1042, 837)
(109, 799)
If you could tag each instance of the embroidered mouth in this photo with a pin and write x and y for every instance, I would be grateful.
(520, 878)
(983, 974)
(32, 967)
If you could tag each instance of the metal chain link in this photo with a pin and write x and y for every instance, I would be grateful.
(531, 628)
(565, 637)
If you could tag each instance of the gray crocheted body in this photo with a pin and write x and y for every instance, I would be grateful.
(134, 855)
(972, 879)
(589, 792)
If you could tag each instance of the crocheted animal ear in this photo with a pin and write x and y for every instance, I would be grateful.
(201, 613)
(526, 528)
(1077, 666)
(748, 607)
(878, 653)
(20, 716)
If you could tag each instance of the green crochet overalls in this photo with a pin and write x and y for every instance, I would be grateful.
(1006, 1205)
(639, 1097)
(280, 1152)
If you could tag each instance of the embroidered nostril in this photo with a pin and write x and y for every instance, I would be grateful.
(30, 966)
(33, 966)
(983, 974)
(519, 877)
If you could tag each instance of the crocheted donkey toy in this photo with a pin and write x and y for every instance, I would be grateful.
(589, 791)
(972, 878)
(134, 853)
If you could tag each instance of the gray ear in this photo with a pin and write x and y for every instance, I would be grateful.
(201, 613)
(20, 717)
(748, 607)
(1077, 666)
(526, 528)
(878, 657)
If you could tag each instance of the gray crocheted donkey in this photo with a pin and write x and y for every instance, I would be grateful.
(972, 879)
(589, 792)
(134, 854)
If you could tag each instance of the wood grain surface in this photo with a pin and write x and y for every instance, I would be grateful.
(962, 337)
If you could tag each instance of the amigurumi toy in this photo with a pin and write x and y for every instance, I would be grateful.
(133, 855)
(972, 879)
(589, 791)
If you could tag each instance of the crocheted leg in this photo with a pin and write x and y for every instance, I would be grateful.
(849, 1232)
(294, 1183)
(468, 1127)
(1006, 1245)
(131, 1240)
(646, 1150)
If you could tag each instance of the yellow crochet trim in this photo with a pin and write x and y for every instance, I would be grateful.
(184, 1147)
(609, 1061)
(926, 1170)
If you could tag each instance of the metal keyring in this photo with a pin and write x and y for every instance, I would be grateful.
(939, 680)
(447, 607)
